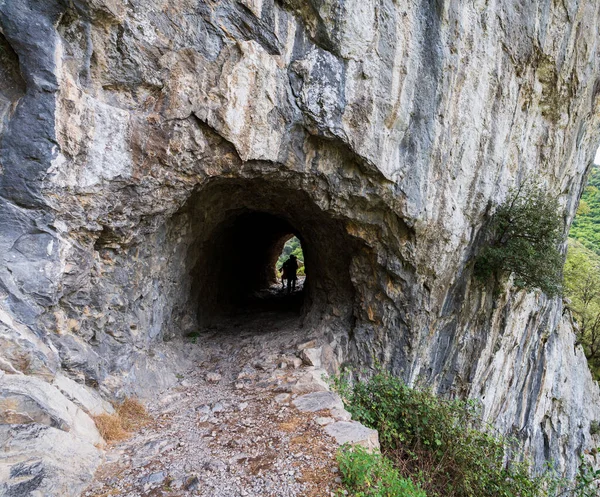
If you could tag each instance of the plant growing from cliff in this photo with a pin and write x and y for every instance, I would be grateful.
(523, 238)
(587, 481)
(442, 444)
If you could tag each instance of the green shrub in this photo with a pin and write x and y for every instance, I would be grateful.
(371, 475)
(441, 443)
(587, 482)
(522, 238)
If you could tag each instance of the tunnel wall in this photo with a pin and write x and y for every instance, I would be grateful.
(383, 132)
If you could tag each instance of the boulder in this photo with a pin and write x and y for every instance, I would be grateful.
(86, 398)
(311, 357)
(312, 381)
(27, 399)
(317, 401)
(353, 433)
(38, 461)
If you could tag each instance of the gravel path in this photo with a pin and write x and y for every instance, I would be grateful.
(228, 428)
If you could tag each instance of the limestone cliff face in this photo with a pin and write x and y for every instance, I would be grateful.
(134, 132)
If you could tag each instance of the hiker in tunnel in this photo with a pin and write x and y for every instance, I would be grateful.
(289, 273)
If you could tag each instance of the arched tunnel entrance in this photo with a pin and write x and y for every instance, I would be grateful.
(242, 256)
(239, 228)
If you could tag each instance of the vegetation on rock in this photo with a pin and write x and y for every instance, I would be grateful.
(522, 239)
(367, 474)
(440, 447)
(582, 272)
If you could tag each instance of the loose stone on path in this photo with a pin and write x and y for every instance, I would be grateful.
(237, 425)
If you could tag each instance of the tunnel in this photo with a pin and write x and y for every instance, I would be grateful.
(239, 228)
(241, 257)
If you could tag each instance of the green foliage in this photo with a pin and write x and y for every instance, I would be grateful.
(582, 271)
(587, 482)
(442, 443)
(582, 287)
(586, 227)
(523, 238)
(371, 475)
(292, 246)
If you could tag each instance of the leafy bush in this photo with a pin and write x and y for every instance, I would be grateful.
(587, 482)
(371, 475)
(441, 442)
(522, 238)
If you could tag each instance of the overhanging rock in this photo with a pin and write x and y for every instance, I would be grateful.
(137, 139)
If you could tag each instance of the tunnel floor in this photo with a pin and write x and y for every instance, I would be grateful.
(275, 298)
(269, 309)
(228, 426)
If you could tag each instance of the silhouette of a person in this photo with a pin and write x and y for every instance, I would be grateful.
(290, 268)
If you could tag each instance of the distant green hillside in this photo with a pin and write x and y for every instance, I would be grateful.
(582, 272)
(586, 227)
(292, 246)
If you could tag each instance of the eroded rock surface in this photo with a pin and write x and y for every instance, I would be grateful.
(141, 138)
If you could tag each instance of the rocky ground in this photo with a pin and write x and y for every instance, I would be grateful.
(251, 419)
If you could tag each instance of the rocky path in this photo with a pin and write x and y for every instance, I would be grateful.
(251, 419)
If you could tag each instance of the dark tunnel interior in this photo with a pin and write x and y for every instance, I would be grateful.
(240, 228)
(243, 254)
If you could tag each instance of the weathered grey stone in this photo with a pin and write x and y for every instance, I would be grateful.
(353, 433)
(133, 138)
(311, 357)
(149, 450)
(296, 362)
(282, 398)
(213, 377)
(317, 401)
(307, 345)
(154, 478)
(312, 381)
(38, 460)
(328, 359)
(23, 351)
(27, 399)
(86, 398)
(340, 414)
(324, 420)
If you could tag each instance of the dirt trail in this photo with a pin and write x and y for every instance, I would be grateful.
(228, 428)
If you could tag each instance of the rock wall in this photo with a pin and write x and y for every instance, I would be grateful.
(134, 132)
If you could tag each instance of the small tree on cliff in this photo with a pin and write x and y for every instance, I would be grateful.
(522, 239)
